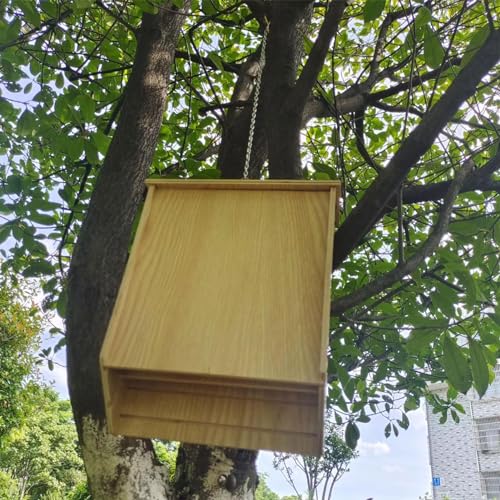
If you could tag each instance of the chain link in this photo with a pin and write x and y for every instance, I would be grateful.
(255, 104)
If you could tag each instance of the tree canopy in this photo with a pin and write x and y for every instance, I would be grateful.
(397, 100)
(39, 457)
(19, 337)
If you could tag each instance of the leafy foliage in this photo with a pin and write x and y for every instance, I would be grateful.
(39, 457)
(64, 67)
(263, 492)
(167, 455)
(19, 330)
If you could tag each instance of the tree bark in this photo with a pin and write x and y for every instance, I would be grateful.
(117, 467)
(205, 473)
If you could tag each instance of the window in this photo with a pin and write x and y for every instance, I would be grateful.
(488, 431)
(491, 482)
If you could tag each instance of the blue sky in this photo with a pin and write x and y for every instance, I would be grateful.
(387, 469)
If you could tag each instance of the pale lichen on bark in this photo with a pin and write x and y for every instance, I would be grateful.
(118, 471)
(220, 469)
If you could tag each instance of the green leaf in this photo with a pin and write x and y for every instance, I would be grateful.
(433, 50)
(82, 4)
(424, 16)
(477, 40)
(388, 430)
(59, 81)
(488, 338)
(4, 233)
(101, 141)
(91, 152)
(147, 6)
(37, 268)
(495, 317)
(74, 147)
(208, 7)
(456, 366)
(404, 423)
(217, 60)
(410, 404)
(321, 176)
(39, 204)
(419, 340)
(44, 219)
(445, 299)
(364, 419)
(349, 389)
(66, 194)
(30, 12)
(373, 9)
(351, 435)
(11, 32)
(61, 304)
(87, 107)
(14, 184)
(480, 372)
(26, 124)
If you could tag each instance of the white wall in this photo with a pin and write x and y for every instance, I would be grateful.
(453, 448)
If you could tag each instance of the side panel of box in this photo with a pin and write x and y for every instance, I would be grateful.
(113, 389)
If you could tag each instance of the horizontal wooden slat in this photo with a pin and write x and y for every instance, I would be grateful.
(221, 410)
(216, 415)
(252, 185)
(180, 378)
(216, 435)
(223, 392)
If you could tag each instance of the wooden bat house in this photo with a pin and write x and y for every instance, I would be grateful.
(220, 329)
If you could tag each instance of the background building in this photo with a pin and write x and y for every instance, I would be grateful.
(465, 456)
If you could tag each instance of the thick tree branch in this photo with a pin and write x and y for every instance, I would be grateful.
(385, 281)
(316, 59)
(372, 205)
(379, 45)
(477, 180)
(359, 118)
(281, 117)
(357, 97)
(101, 252)
(415, 81)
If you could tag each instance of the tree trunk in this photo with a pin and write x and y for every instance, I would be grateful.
(117, 467)
(205, 473)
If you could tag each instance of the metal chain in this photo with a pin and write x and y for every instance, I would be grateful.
(255, 105)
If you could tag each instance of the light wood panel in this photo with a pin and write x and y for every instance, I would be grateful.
(227, 286)
(260, 415)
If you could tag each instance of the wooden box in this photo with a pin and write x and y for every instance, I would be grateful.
(220, 329)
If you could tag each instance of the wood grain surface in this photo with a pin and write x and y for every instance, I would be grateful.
(227, 286)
